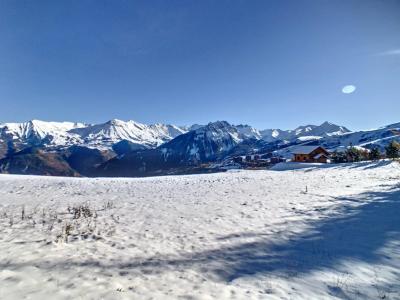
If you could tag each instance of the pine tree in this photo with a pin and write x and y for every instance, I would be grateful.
(374, 154)
(393, 150)
(338, 157)
(353, 154)
(364, 155)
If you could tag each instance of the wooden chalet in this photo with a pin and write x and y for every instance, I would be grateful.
(313, 154)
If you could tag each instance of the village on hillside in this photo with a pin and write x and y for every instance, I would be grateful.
(314, 154)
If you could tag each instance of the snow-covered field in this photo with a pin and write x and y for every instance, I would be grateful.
(325, 232)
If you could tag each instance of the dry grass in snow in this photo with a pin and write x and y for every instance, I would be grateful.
(325, 232)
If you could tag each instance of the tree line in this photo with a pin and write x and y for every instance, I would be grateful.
(353, 154)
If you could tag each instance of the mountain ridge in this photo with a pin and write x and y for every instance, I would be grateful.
(105, 135)
(128, 148)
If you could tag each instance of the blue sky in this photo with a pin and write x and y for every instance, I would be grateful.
(267, 63)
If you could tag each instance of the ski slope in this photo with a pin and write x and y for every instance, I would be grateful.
(318, 232)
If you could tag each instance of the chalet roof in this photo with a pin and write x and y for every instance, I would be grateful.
(304, 149)
(320, 155)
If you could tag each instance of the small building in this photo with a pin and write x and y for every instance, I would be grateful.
(238, 159)
(277, 159)
(266, 155)
(313, 154)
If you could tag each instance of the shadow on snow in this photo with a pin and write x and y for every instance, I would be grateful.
(354, 234)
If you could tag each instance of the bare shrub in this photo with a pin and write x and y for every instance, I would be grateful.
(23, 212)
(79, 221)
(109, 205)
(80, 211)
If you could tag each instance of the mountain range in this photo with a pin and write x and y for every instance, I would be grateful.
(101, 136)
(129, 148)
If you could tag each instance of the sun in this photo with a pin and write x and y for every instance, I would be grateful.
(348, 89)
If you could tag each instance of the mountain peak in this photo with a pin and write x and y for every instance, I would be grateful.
(305, 132)
(101, 136)
(116, 122)
(219, 124)
(204, 143)
(327, 123)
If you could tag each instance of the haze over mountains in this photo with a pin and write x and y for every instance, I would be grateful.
(129, 148)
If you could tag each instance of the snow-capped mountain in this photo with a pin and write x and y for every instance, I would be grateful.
(119, 148)
(366, 139)
(245, 131)
(369, 139)
(304, 133)
(167, 131)
(36, 132)
(101, 136)
(114, 131)
(187, 151)
(248, 132)
(301, 133)
(204, 143)
(191, 127)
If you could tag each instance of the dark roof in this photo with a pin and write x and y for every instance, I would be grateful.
(320, 155)
(305, 149)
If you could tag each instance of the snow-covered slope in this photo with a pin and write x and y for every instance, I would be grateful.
(379, 137)
(248, 132)
(271, 135)
(167, 131)
(368, 139)
(235, 235)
